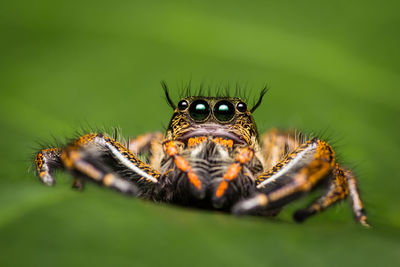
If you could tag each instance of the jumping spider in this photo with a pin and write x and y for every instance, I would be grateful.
(210, 157)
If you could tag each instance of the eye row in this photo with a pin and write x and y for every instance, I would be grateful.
(223, 110)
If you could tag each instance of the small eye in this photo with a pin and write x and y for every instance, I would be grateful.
(199, 110)
(241, 106)
(183, 104)
(224, 110)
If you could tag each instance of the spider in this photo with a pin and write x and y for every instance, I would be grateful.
(210, 157)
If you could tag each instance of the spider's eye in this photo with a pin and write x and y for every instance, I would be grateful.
(183, 104)
(224, 110)
(241, 106)
(199, 110)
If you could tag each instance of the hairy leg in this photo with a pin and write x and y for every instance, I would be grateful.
(297, 173)
(277, 144)
(46, 162)
(100, 159)
(342, 181)
(357, 203)
(142, 143)
(149, 145)
(300, 172)
(337, 189)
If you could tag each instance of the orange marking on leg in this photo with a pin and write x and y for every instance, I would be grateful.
(194, 179)
(66, 160)
(182, 163)
(262, 200)
(232, 171)
(88, 170)
(39, 161)
(230, 174)
(83, 140)
(221, 188)
(40, 157)
(245, 155)
(309, 175)
(184, 166)
(108, 179)
(170, 149)
(72, 159)
(69, 158)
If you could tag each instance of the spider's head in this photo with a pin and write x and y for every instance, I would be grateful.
(226, 117)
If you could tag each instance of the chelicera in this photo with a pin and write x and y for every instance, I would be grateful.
(210, 157)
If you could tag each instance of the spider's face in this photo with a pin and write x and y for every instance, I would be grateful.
(223, 117)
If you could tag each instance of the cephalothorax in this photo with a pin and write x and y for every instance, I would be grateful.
(210, 157)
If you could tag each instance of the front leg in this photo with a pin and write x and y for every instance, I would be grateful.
(298, 173)
(103, 160)
(47, 161)
(342, 183)
(337, 189)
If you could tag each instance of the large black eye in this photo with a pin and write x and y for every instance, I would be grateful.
(224, 110)
(199, 110)
(241, 106)
(183, 104)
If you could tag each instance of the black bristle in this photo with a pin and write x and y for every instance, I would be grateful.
(220, 90)
(262, 93)
(168, 99)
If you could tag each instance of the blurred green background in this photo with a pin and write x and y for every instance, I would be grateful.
(331, 67)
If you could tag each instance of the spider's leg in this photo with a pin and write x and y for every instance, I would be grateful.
(244, 156)
(150, 145)
(297, 173)
(46, 162)
(276, 144)
(89, 157)
(198, 188)
(78, 183)
(142, 143)
(357, 203)
(336, 191)
(341, 183)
